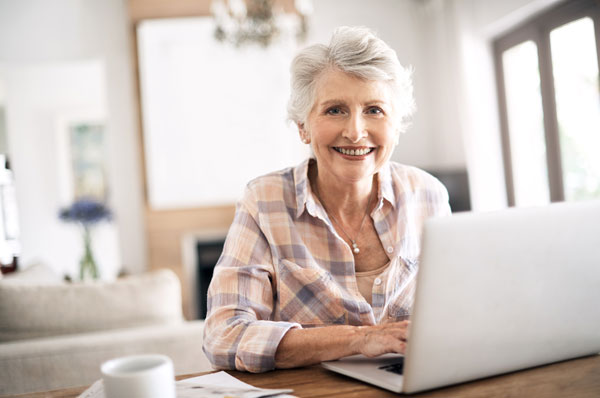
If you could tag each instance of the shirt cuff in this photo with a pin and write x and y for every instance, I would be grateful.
(258, 345)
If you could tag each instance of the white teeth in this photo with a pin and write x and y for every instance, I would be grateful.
(354, 152)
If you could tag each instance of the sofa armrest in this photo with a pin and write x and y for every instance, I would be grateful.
(66, 361)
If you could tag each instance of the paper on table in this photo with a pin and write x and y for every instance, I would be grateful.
(96, 390)
(221, 384)
(213, 385)
(216, 379)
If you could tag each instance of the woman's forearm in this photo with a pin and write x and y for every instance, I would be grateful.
(302, 347)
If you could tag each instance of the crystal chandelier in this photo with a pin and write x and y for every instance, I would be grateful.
(258, 21)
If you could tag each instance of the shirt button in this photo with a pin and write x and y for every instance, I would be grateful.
(390, 249)
(377, 281)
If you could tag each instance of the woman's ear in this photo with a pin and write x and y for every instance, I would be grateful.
(304, 136)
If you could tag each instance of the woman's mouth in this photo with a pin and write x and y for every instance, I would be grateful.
(354, 152)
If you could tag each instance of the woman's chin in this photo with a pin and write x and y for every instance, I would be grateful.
(348, 171)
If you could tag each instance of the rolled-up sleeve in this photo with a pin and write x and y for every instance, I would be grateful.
(239, 331)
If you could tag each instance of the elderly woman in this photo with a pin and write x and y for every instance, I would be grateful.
(321, 258)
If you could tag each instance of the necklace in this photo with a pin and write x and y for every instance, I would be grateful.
(355, 248)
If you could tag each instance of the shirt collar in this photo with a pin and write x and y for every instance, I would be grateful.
(386, 186)
(301, 185)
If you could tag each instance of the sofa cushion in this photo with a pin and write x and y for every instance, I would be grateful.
(30, 311)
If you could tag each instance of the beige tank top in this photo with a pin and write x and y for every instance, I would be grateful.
(365, 280)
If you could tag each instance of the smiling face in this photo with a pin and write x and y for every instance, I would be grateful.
(351, 127)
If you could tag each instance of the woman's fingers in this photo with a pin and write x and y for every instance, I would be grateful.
(386, 338)
(397, 329)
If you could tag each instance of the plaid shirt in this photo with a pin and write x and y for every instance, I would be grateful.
(284, 265)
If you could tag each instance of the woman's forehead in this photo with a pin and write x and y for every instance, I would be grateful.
(334, 85)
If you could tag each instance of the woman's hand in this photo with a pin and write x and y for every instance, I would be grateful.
(381, 339)
(302, 347)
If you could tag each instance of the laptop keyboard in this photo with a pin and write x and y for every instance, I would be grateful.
(396, 367)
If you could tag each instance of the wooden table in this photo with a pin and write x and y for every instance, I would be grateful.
(578, 378)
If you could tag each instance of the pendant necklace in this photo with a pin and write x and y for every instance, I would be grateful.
(355, 248)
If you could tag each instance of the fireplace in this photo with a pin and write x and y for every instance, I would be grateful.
(201, 251)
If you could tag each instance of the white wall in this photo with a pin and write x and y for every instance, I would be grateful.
(39, 32)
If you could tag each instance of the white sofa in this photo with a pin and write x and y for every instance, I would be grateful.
(55, 335)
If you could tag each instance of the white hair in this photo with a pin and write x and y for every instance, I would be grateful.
(355, 50)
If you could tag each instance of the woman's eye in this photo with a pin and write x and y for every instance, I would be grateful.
(374, 110)
(334, 111)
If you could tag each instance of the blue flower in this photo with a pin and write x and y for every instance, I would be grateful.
(86, 211)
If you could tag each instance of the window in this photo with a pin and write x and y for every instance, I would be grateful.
(549, 97)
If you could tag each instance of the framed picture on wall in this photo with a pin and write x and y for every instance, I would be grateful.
(82, 158)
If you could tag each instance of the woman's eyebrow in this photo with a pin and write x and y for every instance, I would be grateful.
(343, 102)
(332, 102)
(376, 102)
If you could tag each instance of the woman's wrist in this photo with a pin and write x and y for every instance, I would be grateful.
(358, 339)
(301, 347)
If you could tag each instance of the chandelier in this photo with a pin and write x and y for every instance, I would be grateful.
(258, 21)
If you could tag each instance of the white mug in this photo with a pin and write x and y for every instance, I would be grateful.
(139, 376)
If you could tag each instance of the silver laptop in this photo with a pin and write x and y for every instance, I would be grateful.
(497, 292)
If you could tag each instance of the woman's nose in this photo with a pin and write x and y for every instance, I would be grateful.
(356, 128)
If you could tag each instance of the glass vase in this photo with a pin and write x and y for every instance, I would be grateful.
(87, 265)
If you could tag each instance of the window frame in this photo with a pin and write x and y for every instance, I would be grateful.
(537, 29)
